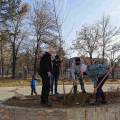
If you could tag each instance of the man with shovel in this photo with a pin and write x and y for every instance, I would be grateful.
(77, 74)
(98, 74)
(45, 71)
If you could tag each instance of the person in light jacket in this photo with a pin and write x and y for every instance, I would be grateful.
(77, 74)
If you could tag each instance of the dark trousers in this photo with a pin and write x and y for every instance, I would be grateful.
(100, 96)
(54, 82)
(33, 90)
(80, 78)
(45, 88)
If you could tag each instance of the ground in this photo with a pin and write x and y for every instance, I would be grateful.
(8, 92)
(111, 111)
(60, 101)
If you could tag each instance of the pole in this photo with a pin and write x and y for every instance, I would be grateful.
(60, 40)
(58, 29)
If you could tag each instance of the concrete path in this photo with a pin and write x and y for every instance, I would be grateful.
(7, 92)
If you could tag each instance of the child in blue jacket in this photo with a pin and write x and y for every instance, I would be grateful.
(33, 85)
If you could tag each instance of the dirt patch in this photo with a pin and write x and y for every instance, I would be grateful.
(61, 101)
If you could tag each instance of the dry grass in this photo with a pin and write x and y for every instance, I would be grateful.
(21, 82)
(14, 83)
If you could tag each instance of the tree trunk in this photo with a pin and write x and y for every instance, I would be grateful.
(91, 58)
(2, 60)
(113, 74)
(113, 70)
(103, 56)
(14, 67)
(36, 58)
(14, 63)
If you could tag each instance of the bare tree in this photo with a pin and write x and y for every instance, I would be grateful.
(13, 13)
(87, 40)
(60, 48)
(114, 55)
(107, 33)
(43, 22)
(2, 45)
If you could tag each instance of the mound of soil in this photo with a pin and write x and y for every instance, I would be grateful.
(61, 101)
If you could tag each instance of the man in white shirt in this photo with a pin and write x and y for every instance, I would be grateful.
(77, 74)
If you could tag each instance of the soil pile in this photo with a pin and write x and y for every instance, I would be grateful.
(61, 101)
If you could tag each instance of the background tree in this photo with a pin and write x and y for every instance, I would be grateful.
(13, 13)
(60, 49)
(3, 37)
(108, 35)
(3, 42)
(113, 53)
(87, 40)
(43, 22)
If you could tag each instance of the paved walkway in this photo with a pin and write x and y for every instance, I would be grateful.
(7, 92)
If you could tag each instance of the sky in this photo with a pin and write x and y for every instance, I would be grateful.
(75, 13)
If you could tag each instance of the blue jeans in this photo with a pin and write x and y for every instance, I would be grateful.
(100, 96)
(33, 90)
(80, 78)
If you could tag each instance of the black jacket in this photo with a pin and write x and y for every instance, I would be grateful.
(45, 64)
(56, 65)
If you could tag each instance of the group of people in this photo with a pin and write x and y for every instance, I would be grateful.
(49, 71)
(97, 72)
